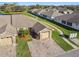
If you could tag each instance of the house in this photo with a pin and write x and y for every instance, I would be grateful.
(64, 10)
(49, 13)
(63, 16)
(70, 20)
(7, 35)
(35, 11)
(9, 25)
(39, 31)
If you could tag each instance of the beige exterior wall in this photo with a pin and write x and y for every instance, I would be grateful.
(45, 35)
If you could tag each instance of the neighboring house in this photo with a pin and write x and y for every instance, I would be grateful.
(39, 31)
(70, 20)
(51, 15)
(35, 11)
(47, 13)
(64, 10)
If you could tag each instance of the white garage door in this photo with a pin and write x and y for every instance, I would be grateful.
(44, 35)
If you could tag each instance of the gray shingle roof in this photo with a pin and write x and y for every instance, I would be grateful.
(22, 21)
(36, 10)
(38, 27)
(51, 13)
(8, 28)
(3, 28)
(17, 21)
(74, 17)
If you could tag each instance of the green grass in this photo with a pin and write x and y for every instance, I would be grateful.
(60, 41)
(22, 49)
(1, 12)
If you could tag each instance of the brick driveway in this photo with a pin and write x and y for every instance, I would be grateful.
(46, 48)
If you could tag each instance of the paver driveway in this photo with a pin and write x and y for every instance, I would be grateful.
(44, 48)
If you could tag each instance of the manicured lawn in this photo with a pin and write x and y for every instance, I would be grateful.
(60, 41)
(22, 49)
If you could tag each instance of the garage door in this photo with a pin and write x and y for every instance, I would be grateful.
(44, 35)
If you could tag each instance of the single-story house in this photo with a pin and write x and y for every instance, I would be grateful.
(49, 13)
(7, 34)
(64, 10)
(9, 25)
(35, 11)
(39, 31)
(70, 20)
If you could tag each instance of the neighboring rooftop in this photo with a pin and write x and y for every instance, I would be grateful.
(51, 13)
(35, 10)
(74, 17)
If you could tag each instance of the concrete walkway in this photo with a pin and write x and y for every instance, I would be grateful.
(61, 33)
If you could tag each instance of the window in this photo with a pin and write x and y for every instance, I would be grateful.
(63, 22)
(76, 24)
(45, 15)
(68, 23)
